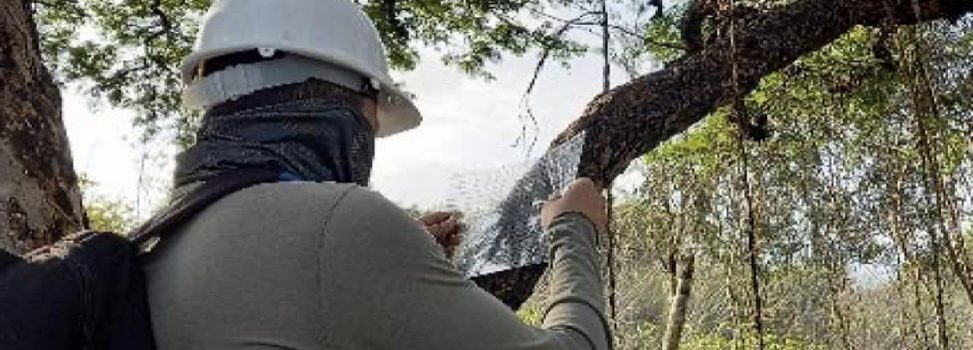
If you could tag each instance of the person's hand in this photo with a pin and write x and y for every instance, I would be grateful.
(446, 228)
(582, 196)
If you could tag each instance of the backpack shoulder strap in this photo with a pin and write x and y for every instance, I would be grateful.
(8, 258)
(197, 200)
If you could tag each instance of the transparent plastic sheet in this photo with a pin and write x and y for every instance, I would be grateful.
(502, 210)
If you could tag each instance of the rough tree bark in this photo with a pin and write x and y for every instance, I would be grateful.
(39, 195)
(632, 119)
(680, 304)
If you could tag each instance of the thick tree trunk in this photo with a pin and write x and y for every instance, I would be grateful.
(632, 119)
(39, 196)
(680, 304)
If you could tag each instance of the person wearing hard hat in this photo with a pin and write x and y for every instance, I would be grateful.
(316, 260)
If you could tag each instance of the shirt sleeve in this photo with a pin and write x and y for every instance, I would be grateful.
(385, 284)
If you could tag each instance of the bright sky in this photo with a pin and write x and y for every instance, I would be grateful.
(469, 125)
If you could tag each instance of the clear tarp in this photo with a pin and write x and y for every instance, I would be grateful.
(502, 210)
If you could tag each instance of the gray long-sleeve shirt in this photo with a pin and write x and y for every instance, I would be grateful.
(328, 266)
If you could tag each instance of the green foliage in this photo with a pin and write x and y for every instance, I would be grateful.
(128, 52)
(109, 216)
(105, 214)
(531, 314)
(870, 160)
(663, 29)
(748, 341)
(700, 147)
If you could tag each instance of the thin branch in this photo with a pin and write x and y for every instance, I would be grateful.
(598, 23)
(166, 29)
(528, 113)
(641, 37)
(164, 20)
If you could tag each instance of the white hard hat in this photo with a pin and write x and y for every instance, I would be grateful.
(332, 31)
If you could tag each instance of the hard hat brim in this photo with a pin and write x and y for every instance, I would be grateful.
(396, 112)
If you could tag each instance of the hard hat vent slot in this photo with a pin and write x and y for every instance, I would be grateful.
(267, 52)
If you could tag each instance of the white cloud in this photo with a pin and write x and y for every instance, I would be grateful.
(105, 149)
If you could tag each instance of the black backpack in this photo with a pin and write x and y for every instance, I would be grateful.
(87, 291)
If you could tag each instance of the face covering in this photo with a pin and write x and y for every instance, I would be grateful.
(310, 140)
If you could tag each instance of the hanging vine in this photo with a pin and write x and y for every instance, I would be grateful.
(738, 113)
(606, 86)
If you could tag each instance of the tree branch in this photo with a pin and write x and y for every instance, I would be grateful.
(164, 22)
(632, 119)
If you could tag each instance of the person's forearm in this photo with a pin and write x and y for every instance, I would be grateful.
(577, 300)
